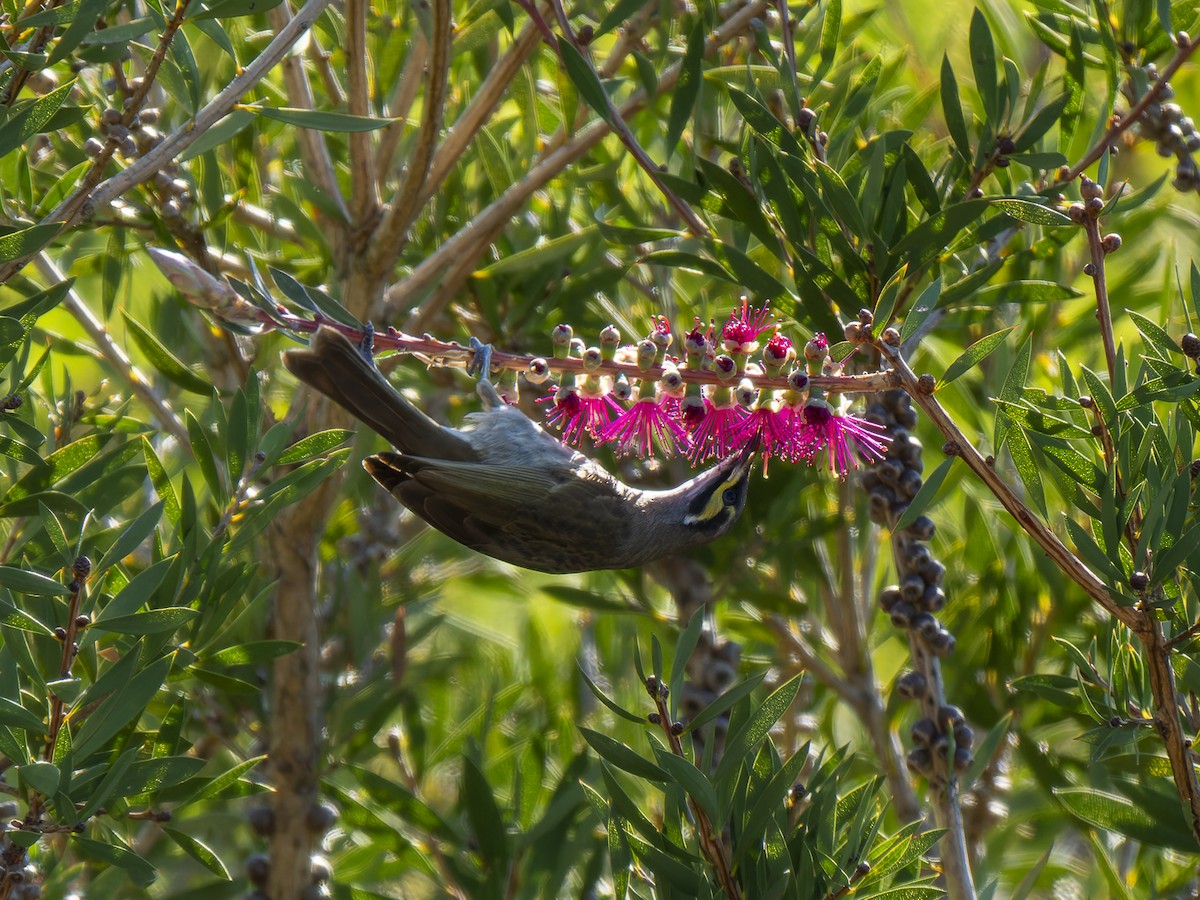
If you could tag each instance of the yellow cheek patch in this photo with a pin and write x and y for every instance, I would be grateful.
(716, 500)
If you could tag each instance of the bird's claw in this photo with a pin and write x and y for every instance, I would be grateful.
(480, 364)
(366, 344)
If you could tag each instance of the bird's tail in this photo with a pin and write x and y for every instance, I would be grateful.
(335, 367)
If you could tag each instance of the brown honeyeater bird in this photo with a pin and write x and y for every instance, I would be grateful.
(505, 487)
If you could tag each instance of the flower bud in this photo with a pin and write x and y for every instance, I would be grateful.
(1111, 243)
(817, 348)
(561, 336)
(1090, 190)
(797, 380)
(647, 350)
(725, 366)
(592, 358)
(672, 382)
(1190, 345)
(745, 393)
(538, 371)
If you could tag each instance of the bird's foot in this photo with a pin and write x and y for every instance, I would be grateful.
(480, 366)
(366, 345)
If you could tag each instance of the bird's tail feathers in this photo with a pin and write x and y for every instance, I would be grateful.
(335, 367)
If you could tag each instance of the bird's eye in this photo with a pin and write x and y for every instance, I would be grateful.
(730, 497)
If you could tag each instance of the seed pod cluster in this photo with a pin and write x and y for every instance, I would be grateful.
(942, 743)
(19, 878)
(1163, 121)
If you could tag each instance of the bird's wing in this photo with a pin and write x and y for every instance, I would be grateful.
(553, 519)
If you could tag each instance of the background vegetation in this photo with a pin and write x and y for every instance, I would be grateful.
(283, 686)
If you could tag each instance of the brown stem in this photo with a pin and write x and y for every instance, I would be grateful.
(364, 200)
(464, 247)
(95, 173)
(622, 130)
(451, 353)
(1031, 524)
(1091, 227)
(1119, 126)
(710, 842)
(392, 232)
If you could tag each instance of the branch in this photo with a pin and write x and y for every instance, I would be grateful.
(1118, 127)
(1073, 567)
(314, 152)
(122, 365)
(399, 214)
(364, 199)
(184, 136)
(466, 245)
(710, 841)
(623, 131)
(478, 111)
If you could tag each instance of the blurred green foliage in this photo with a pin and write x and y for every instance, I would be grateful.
(483, 731)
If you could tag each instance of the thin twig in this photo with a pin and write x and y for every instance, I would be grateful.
(1119, 126)
(465, 246)
(478, 111)
(175, 143)
(122, 365)
(314, 152)
(364, 198)
(399, 104)
(622, 130)
(392, 232)
(710, 841)
(1045, 538)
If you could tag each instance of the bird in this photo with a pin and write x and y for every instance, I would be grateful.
(504, 486)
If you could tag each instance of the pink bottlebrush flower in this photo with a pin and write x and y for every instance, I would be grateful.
(576, 415)
(715, 432)
(778, 349)
(837, 436)
(643, 425)
(773, 429)
(744, 326)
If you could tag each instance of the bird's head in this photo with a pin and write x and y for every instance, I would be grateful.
(705, 507)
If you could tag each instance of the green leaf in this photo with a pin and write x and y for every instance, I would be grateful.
(113, 853)
(739, 744)
(611, 704)
(161, 481)
(684, 647)
(983, 64)
(252, 653)
(25, 582)
(1155, 335)
(691, 779)
(152, 621)
(42, 777)
(24, 121)
(687, 88)
(231, 9)
(974, 355)
(216, 786)
(925, 496)
(725, 701)
(132, 537)
(319, 120)
(20, 244)
(198, 851)
(1158, 828)
(952, 110)
(585, 79)
(487, 823)
(16, 618)
(1032, 213)
(313, 445)
(165, 361)
(14, 714)
(622, 756)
